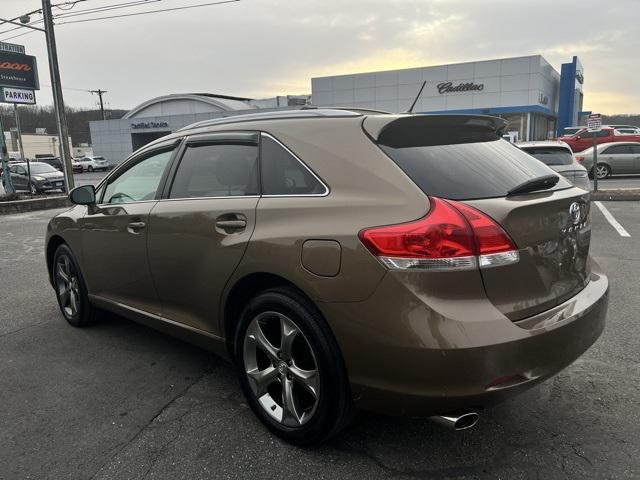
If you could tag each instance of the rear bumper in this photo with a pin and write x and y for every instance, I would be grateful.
(421, 362)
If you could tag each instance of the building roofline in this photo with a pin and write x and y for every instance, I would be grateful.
(209, 98)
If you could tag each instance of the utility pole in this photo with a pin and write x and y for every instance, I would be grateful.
(100, 93)
(63, 131)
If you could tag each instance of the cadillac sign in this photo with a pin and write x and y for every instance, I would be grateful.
(18, 70)
(449, 87)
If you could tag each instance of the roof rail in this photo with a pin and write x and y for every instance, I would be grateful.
(277, 115)
(350, 109)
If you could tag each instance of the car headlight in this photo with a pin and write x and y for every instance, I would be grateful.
(39, 179)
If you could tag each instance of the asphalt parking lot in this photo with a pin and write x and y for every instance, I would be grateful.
(120, 401)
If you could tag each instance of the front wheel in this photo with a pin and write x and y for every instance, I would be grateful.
(291, 368)
(71, 291)
(90, 168)
(33, 189)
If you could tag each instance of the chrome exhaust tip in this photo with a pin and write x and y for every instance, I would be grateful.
(459, 420)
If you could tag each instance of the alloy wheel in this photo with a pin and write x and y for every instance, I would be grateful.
(33, 189)
(67, 286)
(281, 369)
(602, 171)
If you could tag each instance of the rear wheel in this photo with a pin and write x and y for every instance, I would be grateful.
(71, 291)
(603, 171)
(291, 369)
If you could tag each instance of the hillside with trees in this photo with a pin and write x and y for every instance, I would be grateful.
(32, 117)
(622, 119)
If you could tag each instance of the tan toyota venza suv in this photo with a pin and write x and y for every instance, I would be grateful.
(407, 264)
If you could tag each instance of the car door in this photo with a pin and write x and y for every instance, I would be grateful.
(114, 232)
(619, 158)
(635, 158)
(19, 177)
(199, 231)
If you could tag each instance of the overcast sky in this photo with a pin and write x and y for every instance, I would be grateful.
(262, 48)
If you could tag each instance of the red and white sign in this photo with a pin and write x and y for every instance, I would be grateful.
(594, 122)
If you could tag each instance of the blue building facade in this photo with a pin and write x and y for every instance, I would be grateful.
(571, 96)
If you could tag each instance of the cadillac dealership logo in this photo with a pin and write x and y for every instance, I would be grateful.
(448, 87)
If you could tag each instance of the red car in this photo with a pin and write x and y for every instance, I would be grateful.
(583, 139)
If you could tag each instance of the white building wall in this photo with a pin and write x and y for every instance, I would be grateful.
(510, 82)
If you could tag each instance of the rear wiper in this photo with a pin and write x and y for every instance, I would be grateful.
(539, 183)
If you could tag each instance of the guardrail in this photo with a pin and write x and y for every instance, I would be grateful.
(29, 205)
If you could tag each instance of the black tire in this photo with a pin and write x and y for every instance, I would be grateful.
(85, 314)
(90, 168)
(333, 405)
(33, 189)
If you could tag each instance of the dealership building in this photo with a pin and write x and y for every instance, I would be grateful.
(534, 98)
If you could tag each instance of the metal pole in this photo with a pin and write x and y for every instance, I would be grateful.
(63, 132)
(595, 163)
(20, 146)
(4, 160)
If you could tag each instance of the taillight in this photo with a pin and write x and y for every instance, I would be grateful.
(452, 236)
(580, 158)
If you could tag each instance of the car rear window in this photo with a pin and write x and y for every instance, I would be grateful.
(552, 156)
(468, 170)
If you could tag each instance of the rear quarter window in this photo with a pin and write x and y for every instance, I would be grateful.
(552, 156)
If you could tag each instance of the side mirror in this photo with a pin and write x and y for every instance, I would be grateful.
(578, 137)
(83, 195)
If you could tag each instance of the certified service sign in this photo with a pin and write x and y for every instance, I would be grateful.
(17, 95)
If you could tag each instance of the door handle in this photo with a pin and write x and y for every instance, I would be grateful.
(135, 227)
(231, 224)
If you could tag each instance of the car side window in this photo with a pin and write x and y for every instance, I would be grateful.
(284, 174)
(139, 182)
(216, 170)
(21, 170)
(12, 169)
(635, 149)
(617, 150)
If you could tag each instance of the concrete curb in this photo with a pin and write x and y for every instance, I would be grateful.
(619, 194)
(21, 206)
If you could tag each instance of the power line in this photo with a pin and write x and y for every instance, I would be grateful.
(148, 12)
(111, 7)
(86, 11)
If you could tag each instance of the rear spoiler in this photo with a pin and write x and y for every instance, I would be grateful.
(400, 131)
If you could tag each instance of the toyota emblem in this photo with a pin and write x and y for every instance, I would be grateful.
(574, 212)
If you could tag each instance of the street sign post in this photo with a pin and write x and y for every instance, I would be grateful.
(594, 125)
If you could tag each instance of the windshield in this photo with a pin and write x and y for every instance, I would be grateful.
(551, 155)
(42, 168)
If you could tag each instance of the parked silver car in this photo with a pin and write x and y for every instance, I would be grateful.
(613, 158)
(559, 157)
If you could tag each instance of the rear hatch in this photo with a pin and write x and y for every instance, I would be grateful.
(463, 158)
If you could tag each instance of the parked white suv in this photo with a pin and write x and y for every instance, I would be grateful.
(90, 164)
(559, 157)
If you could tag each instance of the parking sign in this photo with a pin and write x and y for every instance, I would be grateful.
(594, 122)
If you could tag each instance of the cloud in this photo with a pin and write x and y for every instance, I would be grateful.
(273, 47)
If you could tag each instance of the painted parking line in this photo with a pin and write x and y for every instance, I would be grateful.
(610, 218)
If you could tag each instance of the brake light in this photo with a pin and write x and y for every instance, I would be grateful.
(580, 158)
(452, 236)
